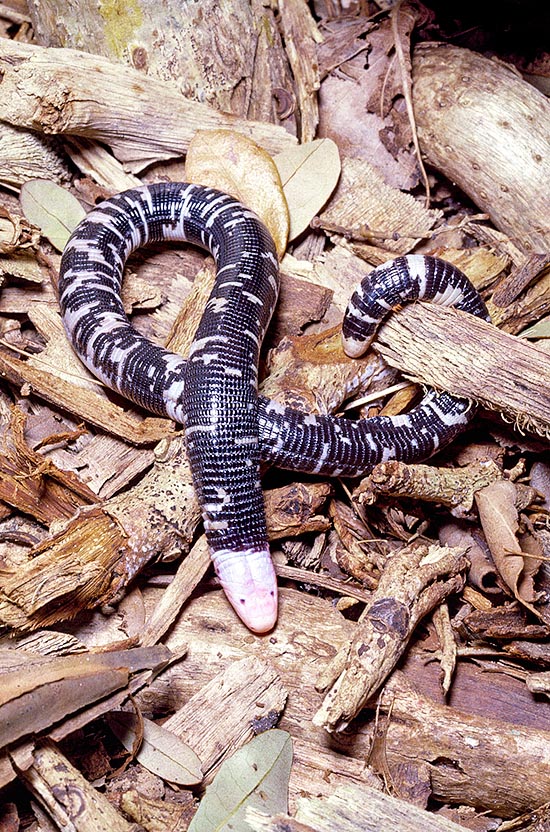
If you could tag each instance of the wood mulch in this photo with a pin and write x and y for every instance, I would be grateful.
(409, 670)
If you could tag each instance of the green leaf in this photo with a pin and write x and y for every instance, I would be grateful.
(160, 752)
(53, 209)
(539, 330)
(255, 776)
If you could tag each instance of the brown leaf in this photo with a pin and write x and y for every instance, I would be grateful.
(234, 163)
(34, 701)
(499, 518)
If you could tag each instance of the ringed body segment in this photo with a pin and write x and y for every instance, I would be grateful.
(229, 429)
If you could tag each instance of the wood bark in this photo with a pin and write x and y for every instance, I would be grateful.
(468, 357)
(70, 800)
(141, 119)
(495, 734)
(414, 582)
(25, 155)
(355, 808)
(226, 54)
(487, 129)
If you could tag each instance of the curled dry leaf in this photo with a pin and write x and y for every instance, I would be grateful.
(34, 699)
(482, 573)
(309, 174)
(234, 163)
(499, 518)
(52, 208)
(160, 752)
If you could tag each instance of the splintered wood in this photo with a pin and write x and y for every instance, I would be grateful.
(414, 582)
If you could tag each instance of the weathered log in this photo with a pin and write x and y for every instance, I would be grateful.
(487, 129)
(142, 119)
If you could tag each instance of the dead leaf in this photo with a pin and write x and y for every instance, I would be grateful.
(309, 174)
(235, 164)
(499, 518)
(32, 702)
(52, 208)
(160, 751)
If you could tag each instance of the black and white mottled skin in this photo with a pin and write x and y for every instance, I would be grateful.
(214, 393)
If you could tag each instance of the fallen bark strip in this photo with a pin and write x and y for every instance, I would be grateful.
(469, 357)
(141, 118)
(92, 408)
(190, 572)
(490, 750)
(413, 582)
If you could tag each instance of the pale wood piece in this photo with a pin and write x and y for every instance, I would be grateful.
(142, 119)
(372, 213)
(504, 768)
(96, 162)
(191, 570)
(354, 808)
(25, 155)
(487, 130)
(222, 715)
(414, 581)
(227, 54)
(468, 357)
(301, 38)
(71, 801)
(452, 487)
(448, 646)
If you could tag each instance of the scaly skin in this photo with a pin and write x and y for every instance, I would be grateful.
(249, 581)
(229, 430)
